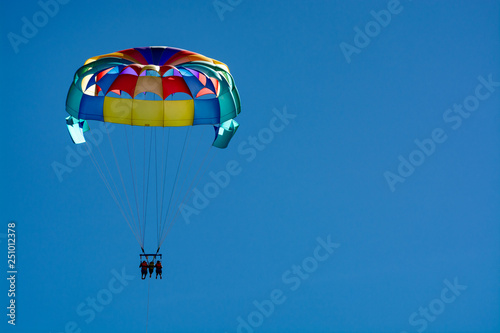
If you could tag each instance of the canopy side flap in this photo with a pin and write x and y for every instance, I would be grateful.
(76, 128)
(224, 133)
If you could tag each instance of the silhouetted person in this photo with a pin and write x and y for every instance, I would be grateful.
(158, 269)
(151, 267)
(144, 269)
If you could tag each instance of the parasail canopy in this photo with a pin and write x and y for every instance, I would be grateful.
(156, 86)
(161, 90)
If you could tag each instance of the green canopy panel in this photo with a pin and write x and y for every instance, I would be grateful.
(224, 133)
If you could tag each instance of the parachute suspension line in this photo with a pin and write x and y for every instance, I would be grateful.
(179, 166)
(158, 198)
(132, 174)
(121, 178)
(147, 181)
(116, 188)
(163, 186)
(190, 188)
(101, 174)
(194, 179)
(135, 176)
(144, 178)
(156, 184)
(178, 195)
(122, 203)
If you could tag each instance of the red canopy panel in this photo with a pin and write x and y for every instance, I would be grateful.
(136, 55)
(125, 82)
(174, 84)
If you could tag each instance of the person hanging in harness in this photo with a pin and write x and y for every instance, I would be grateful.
(158, 269)
(151, 267)
(144, 269)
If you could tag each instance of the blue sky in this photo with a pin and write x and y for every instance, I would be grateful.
(397, 252)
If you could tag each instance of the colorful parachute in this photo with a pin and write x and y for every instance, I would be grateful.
(187, 89)
(158, 89)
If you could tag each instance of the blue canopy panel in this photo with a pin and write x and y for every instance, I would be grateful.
(91, 108)
(206, 111)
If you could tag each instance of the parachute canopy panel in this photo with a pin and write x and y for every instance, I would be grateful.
(225, 133)
(76, 128)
